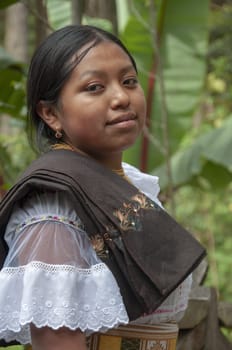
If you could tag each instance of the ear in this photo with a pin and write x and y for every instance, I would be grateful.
(49, 114)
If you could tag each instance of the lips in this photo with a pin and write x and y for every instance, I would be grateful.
(122, 118)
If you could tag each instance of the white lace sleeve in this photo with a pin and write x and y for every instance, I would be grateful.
(52, 276)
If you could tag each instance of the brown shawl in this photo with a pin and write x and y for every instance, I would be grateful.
(148, 252)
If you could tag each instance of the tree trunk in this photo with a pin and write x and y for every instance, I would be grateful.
(103, 9)
(15, 43)
(16, 37)
(42, 27)
(77, 11)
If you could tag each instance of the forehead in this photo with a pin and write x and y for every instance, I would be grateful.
(106, 54)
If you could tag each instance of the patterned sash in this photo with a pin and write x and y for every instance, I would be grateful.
(136, 337)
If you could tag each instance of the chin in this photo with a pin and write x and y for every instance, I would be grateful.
(130, 142)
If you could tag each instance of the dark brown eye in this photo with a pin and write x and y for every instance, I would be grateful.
(130, 82)
(94, 87)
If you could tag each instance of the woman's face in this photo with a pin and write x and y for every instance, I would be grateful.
(102, 104)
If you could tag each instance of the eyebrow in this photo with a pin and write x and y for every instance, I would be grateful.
(102, 72)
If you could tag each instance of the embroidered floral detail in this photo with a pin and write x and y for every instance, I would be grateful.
(39, 218)
(128, 215)
(98, 244)
(144, 202)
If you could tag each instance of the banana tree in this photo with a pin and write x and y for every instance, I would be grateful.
(170, 48)
(169, 41)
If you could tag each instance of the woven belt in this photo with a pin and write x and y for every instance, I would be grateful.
(136, 337)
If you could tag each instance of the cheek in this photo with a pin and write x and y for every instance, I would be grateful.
(140, 98)
(81, 128)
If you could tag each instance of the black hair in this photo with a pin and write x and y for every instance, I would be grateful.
(51, 66)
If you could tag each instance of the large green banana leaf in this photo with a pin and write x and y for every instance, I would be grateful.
(207, 162)
(181, 27)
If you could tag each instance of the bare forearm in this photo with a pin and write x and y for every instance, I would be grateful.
(48, 339)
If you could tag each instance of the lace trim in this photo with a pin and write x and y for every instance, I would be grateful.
(51, 269)
(35, 219)
(23, 336)
(58, 296)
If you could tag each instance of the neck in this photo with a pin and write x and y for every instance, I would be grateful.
(113, 162)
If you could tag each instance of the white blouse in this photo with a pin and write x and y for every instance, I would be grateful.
(53, 277)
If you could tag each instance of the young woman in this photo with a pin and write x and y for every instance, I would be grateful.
(87, 246)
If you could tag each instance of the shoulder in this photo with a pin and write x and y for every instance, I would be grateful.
(148, 184)
(136, 173)
(41, 206)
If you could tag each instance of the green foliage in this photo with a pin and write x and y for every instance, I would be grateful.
(12, 102)
(12, 86)
(59, 16)
(5, 59)
(220, 55)
(208, 158)
(6, 3)
(219, 82)
(209, 218)
(13, 347)
(11, 150)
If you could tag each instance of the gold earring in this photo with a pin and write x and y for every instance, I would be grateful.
(58, 134)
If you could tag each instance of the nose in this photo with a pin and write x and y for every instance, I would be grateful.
(119, 98)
